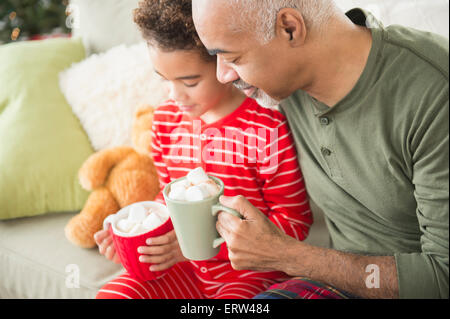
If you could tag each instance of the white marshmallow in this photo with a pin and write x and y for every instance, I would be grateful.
(138, 229)
(137, 213)
(153, 221)
(153, 218)
(177, 193)
(196, 193)
(183, 184)
(197, 176)
(210, 187)
(125, 225)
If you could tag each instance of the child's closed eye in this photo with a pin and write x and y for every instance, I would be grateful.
(190, 85)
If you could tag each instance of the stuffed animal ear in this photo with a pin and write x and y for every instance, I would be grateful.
(142, 110)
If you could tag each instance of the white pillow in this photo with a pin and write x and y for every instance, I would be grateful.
(105, 90)
(427, 15)
(104, 24)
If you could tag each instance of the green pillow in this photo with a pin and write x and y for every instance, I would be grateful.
(42, 143)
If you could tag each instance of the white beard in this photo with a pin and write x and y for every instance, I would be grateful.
(265, 100)
(260, 96)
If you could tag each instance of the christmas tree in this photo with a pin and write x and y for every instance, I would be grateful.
(23, 19)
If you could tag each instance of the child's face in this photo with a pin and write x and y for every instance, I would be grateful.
(191, 81)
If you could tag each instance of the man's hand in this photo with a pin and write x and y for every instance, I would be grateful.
(163, 252)
(254, 243)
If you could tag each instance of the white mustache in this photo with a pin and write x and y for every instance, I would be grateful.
(241, 85)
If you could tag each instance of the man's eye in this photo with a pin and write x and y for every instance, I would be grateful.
(190, 85)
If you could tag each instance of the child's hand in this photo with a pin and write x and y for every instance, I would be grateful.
(163, 252)
(105, 245)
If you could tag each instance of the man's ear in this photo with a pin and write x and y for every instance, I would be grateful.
(291, 26)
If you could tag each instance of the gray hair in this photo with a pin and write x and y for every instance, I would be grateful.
(315, 13)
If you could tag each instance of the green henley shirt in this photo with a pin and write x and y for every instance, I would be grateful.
(377, 163)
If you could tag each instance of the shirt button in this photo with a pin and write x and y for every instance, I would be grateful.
(325, 151)
(324, 120)
(204, 270)
(203, 137)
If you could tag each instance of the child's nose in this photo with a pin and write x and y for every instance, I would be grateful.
(176, 93)
(225, 74)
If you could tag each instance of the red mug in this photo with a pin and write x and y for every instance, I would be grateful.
(126, 245)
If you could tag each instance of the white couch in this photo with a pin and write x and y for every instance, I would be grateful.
(36, 259)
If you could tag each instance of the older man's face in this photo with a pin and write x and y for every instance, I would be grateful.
(261, 71)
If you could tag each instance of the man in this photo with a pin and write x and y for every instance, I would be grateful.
(368, 108)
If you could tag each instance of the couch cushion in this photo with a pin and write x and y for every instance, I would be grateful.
(42, 142)
(38, 262)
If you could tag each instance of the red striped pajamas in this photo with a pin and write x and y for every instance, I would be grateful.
(185, 281)
(253, 153)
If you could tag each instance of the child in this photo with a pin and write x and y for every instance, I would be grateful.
(215, 126)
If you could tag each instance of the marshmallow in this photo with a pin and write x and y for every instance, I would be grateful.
(138, 229)
(125, 225)
(183, 184)
(178, 193)
(141, 220)
(137, 213)
(196, 193)
(153, 221)
(197, 176)
(197, 186)
(178, 190)
(210, 187)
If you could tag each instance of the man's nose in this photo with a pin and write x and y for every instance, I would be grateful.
(225, 74)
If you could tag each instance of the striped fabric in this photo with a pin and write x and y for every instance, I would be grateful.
(183, 282)
(252, 152)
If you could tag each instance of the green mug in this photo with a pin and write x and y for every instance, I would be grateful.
(195, 223)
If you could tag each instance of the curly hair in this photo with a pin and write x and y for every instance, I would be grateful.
(168, 24)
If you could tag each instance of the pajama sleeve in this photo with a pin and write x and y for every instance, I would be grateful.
(284, 189)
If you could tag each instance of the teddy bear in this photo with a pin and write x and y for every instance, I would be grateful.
(116, 177)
